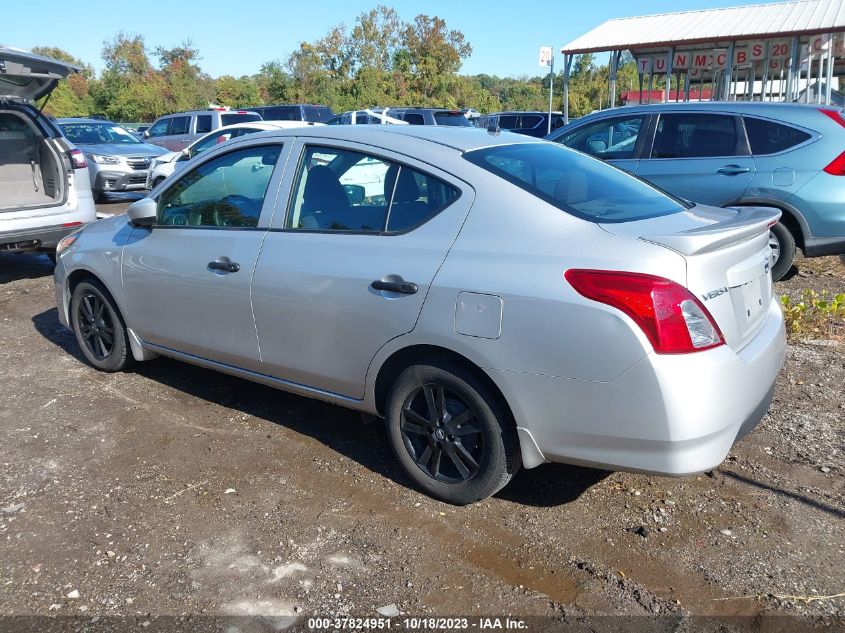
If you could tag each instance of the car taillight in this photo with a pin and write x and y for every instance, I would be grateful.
(837, 166)
(836, 115)
(78, 158)
(674, 321)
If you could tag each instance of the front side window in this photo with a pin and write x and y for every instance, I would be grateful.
(695, 136)
(768, 137)
(413, 118)
(159, 128)
(607, 139)
(451, 117)
(575, 183)
(227, 191)
(203, 123)
(180, 125)
(346, 191)
(212, 140)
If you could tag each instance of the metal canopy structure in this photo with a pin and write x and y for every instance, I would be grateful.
(786, 51)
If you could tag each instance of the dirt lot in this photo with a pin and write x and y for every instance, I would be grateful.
(173, 490)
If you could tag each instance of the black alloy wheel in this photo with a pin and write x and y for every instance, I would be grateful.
(441, 435)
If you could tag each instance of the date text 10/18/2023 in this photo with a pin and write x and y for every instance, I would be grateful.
(416, 623)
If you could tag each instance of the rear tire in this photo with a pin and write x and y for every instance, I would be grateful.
(99, 328)
(449, 434)
(783, 244)
(99, 197)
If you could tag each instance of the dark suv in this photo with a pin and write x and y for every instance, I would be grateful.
(533, 123)
(295, 112)
(430, 116)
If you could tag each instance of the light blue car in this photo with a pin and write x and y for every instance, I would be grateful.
(782, 155)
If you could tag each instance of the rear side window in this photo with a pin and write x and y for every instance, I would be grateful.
(451, 118)
(768, 137)
(508, 121)
(341, 190)
(575, 183)
(528, 121)
(280, 113)
(229, 119)
(695, 136)
(413, 118)
(317, 114)
(203, 123)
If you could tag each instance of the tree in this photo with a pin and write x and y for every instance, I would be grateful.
(70, 97)
(435, 54)
(237, 92)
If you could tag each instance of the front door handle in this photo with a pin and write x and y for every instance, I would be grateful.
(402, 287)
(224, 264)
(732, 170)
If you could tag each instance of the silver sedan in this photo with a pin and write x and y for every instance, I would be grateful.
(499, 301)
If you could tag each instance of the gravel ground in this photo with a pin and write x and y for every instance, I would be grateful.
(175, 490)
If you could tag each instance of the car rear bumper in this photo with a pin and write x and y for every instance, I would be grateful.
(44, 231)
(669, 414)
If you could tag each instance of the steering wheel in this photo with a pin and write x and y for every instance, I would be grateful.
(233, 210)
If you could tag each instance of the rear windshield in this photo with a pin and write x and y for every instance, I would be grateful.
(573, 182)
(234, 117)
(451, 118)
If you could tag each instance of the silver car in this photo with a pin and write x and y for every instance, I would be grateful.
(118, 161)
(501, 301)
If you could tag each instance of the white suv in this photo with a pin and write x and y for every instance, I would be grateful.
(44, 188)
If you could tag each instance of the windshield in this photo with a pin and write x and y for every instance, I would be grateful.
(234, 117)
(451, 118)
(582, 186)
(98, 134)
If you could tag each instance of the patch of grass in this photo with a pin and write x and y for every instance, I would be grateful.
(816, 315)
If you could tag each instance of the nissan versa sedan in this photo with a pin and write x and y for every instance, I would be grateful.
(501, 302)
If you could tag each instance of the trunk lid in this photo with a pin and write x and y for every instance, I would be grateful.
(26, 76)
(728, 261)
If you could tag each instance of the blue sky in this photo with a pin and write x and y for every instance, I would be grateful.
(235, 38)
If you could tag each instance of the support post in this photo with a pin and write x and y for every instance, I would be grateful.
(765, 74)
(567, 66)
(670, 58)
(614, 69)
(726, 93)
(794, 57)
(831, 59)
(551, 91)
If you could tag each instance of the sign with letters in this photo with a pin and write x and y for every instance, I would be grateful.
(644, 65)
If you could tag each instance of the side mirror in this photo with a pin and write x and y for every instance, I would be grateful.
(355, 193)
(143, 212)
(146, 134)
(186, 153)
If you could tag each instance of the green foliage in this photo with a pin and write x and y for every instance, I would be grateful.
(378, 60)
(816, 314)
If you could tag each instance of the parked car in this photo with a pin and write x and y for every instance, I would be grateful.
(44, 189)
(368, 116)
(176, 131)
(295, 112)
(530, 123)
(785, 156)
(431, 116)
(166, 164)
(505, 301)
(118, 160)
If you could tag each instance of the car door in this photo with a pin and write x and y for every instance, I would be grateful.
(347, 267)
(699, 156)
(616, 139)
(187, 279)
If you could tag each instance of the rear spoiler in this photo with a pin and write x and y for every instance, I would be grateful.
(749, 222)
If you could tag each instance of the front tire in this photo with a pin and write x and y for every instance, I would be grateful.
(783, 247)
(99, 328)
(449, 434)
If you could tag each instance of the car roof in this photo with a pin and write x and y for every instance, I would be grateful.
(756, 107)
(83, 119)
(540, 112)
(399, 137)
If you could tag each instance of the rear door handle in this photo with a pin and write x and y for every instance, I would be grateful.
(223, 264)
(732, 170)
(402, 287)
